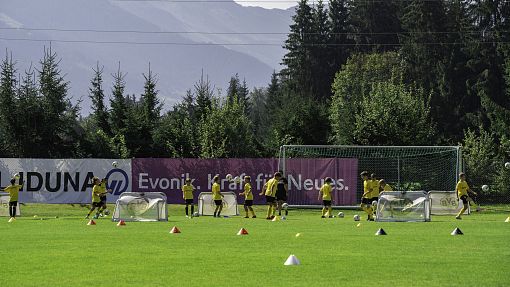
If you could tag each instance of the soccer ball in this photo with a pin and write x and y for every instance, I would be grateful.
(195, 214)
(485, 187)
(16, 176)
(283, 217)
(285, 205)
(237, 179)
(507, 165)
(374, 203)
(356, 217)
(106, 212)
(229, 177)
(341, 214)
(115, 164)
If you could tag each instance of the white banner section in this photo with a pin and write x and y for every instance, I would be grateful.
(65, 180)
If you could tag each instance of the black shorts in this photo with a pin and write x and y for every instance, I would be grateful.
(189, 201)
(270, 199)
(103, 200)
(366, 200)
(281, 196)
(218, 202)
(464, 199)
(248, 202)
(326, 202)
(13, 203)
(97, 204)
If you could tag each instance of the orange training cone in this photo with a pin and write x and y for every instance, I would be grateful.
(242, 231)
(175, 230)
(121, 223)
(91, 222)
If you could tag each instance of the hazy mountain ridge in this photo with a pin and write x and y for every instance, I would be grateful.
(177, 66)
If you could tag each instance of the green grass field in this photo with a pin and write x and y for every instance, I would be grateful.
(64, 251)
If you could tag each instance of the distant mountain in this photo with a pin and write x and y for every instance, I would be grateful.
(177, 58)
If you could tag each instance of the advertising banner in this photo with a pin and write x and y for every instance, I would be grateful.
(64, 180)
(305, 177)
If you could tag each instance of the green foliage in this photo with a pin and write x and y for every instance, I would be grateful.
(353, 83)
(393, 114)
(96, 94)
(8, 115)
(226, 131)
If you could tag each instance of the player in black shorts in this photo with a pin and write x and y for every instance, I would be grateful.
(281, 195)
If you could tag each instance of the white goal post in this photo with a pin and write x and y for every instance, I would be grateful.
(408, 168)
(206, 204)
(141, 206)
(399, 206)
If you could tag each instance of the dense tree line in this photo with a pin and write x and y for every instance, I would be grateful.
(356, 72)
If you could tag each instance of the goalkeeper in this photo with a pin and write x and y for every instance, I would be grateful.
(463, 192)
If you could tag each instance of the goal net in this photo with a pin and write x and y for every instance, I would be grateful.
(445, 203)
(140, 206)
(403, 206)
(402, 167)
(206, 204)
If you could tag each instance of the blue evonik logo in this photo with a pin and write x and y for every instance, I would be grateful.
(117, 181)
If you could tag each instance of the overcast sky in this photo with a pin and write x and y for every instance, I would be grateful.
(282, 4)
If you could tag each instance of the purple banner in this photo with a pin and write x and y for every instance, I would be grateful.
(305, 176)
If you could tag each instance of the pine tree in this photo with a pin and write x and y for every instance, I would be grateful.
(151, 114)
(96, 94)
(204, 94)
(59, 115)
(8, 111)
(339, 40)
(118, 113)
(320, 56)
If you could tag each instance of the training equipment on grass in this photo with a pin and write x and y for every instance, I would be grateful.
(445, 203)
(356, 217)
(106, 212)
(175, 230)
(121, 223)
(485, 187)
(507, 219)
(285, 206)
(195, 214)
(507, 165)
(298, 234)
(228, 177)
(91, 222)
(242, 231)
(403, 206)
(141, 206)
(381, 232)
(340, 215)
(4, 205)
(206, 204)
(276, 218)
(115, 164)
(403, 167)
(358, 225)
(12, 219)
(457, 231)
(292, 260)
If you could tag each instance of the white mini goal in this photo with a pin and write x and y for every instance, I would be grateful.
(141, 206)
(206, 204)
(403, 206)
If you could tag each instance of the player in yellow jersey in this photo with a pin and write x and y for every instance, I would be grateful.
(375, 191)
(463, 192)
(217, 196)
(366, 198)
(326, 194)
(13, 191)
(102, 198)
(248, 197)
(96, 197)
(383, 186)
(187, 195)
(269, 191)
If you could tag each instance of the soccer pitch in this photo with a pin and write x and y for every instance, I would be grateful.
(64, 251)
